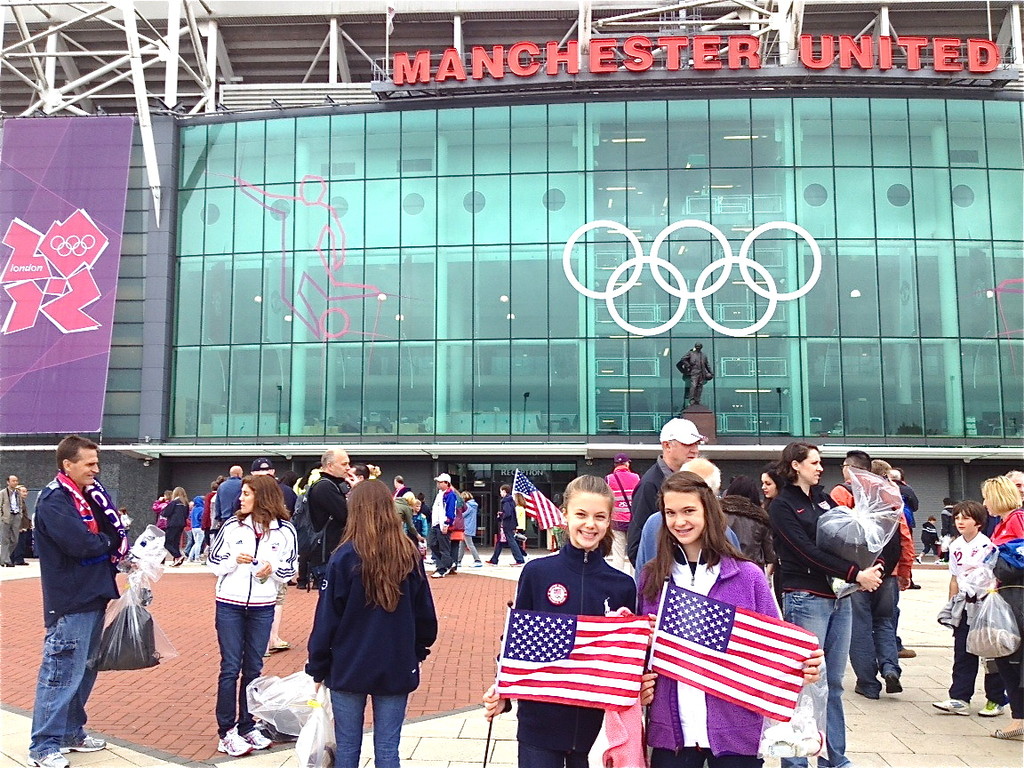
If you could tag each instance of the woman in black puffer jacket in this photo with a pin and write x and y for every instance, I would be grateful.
(749, 521)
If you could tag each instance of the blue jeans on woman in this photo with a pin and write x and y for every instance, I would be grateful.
(388, 715)
(830, 620)
(242, 634)
(65, 682)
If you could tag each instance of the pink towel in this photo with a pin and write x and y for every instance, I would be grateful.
(625, 732)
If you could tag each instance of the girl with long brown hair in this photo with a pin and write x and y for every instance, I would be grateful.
(253, 553)
(687, 726)
(374, 624)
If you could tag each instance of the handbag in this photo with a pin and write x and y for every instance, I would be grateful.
(161, 522)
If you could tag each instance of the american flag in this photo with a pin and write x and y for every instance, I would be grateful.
(538, 506)
(587, 661)
(752, 660)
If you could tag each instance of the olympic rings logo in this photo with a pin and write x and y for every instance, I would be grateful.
(701, 289)
(72, 245)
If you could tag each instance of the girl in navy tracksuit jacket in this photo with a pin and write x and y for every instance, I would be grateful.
(374, 624)
(575, 581)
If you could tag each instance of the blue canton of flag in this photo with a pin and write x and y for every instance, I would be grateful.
(691, 617)
(540, 637)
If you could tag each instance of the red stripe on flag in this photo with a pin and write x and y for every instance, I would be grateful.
(742, 671)
(724, 684)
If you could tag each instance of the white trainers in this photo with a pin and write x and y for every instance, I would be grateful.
(88, 744)
(955, 706)
(52, 760)
(233, 744)
(257, 739)
(991, 709)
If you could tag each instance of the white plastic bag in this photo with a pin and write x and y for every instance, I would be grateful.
(859, 534)
(804, 734)
(283, 702)
(993, 633)
(316, 746)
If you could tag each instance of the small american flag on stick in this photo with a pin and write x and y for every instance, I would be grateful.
(587, 661)
(752, 660)
(538, 506)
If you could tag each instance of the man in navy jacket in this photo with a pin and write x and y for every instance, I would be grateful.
(74, 542)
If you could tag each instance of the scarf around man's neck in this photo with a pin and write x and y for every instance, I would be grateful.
(100, 499)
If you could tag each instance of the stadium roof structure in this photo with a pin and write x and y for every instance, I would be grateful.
(195, 58)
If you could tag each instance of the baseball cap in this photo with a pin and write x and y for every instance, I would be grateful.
(444, 477)
(621, 458)
(682, 430)
(262, 465)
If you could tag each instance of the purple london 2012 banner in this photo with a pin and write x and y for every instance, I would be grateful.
(63, 184)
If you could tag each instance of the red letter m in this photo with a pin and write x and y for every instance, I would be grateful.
(416, 71)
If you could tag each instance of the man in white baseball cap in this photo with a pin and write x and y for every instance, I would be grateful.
(680, 443)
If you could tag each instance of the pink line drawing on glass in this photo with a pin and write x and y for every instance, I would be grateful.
(330, 247)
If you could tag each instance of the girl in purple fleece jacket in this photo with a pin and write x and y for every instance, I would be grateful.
(687, 727)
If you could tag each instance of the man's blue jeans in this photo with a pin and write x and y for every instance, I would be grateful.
(65, 682)
(388, 714)
(243, 635)
(830, 620)
(873, 648)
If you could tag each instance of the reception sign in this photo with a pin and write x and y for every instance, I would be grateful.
(63, 184)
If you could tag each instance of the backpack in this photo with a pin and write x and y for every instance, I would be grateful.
(305, 533)
(459, 523)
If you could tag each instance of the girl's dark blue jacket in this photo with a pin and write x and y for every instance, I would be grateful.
(358, 648)
(578, 583)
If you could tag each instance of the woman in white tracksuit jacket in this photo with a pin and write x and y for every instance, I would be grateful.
(253, 552)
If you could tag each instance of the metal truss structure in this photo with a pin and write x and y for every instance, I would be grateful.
(190, 57)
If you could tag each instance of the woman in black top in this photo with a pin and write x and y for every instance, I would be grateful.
(805, 574)
(176, 512)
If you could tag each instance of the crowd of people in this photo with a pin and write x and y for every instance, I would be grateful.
(364, 547)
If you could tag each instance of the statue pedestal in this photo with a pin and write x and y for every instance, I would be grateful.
(704, 419)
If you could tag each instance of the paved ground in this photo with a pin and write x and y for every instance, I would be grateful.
(164, 716)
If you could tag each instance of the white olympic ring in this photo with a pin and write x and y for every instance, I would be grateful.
(701, 290)
(73, 244)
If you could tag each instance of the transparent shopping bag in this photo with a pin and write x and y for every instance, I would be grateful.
(858, 534)
(804, 734)
(131, 638)
(994, 632)
(316, 746)
(283, 702)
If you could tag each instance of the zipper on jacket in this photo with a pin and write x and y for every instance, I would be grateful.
(254, 553)
(583, 578)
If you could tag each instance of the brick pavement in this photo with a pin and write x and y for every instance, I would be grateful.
(170, 707)
(901, 731)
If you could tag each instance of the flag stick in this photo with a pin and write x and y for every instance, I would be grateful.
(487, 744)
(657, 620)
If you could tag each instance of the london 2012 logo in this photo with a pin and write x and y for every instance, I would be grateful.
(51, 274)
(616, 286)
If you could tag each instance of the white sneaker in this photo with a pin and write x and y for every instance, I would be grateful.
(88, 744)
(955, 706)
(438, 575)
(234, 745)
(257, 739)
(991, 709)
(52, 760)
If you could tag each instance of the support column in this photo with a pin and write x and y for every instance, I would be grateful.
(211, 65)
(172, 41)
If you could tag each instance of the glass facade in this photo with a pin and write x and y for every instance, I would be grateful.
(400, 273)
